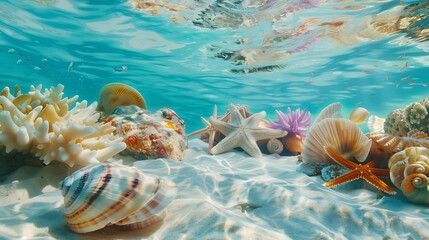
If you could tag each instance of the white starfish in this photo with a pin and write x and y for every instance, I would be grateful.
(243, 132)
(208, 129)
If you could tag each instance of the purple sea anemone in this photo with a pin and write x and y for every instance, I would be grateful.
(294, 122)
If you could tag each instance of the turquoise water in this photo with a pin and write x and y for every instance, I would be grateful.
(176, 64)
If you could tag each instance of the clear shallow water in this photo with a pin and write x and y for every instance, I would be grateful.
(175, 65)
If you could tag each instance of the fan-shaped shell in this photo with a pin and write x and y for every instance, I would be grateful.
(117, 94)
(389, 144)
(103, 194)
(386, 143)
(333, 110)
(409, 170)
(342, 135)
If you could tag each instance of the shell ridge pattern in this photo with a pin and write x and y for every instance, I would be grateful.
(104, 194)
(409, 170)
(116, 209)
(79, 188)
(164, 192)
(69, 187)
(80, 208)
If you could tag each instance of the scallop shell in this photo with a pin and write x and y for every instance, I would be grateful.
(376, 124)
(117, 94)
(342, 135)
(409, 171)
(275, 146)
(389, 144)
(385, 143)
(103, 194)
(358, 115)
(331, 111)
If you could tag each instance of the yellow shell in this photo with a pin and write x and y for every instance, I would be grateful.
(118, 94)
(358, 115)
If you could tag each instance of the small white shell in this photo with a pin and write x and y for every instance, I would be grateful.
(275, 146)
(375, 124)
(358, 115)
(341, 134)
(103, 194)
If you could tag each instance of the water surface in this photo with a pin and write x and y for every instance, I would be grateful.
(267, 54)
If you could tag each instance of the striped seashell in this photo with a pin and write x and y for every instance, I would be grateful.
(409, 171)
(118, 94)
(342, 135)
(389, 144)
(274, 146)
(103, 194)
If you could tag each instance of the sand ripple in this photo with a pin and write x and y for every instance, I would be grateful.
(293, 205)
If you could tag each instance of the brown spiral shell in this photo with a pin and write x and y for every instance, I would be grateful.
(275, 146)
(409, 171)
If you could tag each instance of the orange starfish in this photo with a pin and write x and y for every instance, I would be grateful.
(366, 171)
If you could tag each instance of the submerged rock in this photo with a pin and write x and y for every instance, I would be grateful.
(9, 162)
(311, 169)
(333, 171)
(149, 135)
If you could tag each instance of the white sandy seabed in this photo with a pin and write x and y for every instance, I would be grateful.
(293, 205)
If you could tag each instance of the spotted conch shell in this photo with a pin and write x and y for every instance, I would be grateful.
(409, 171)
(118, 94)
(342, 135)
(103, 194)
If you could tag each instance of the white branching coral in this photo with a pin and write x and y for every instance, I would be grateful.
(43, 125)
(34, 98)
